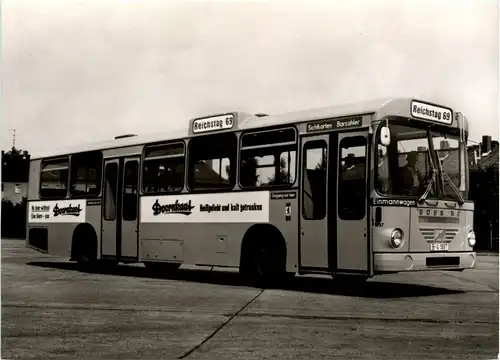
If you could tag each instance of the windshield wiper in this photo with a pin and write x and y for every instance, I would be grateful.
(460, 199)
(442, 176)
(432, 181)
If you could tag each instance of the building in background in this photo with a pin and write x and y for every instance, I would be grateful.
(483, 174)
(15, 175)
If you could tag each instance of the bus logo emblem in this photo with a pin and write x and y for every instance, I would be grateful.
(68, 210)
(175, 208)
(439, 235)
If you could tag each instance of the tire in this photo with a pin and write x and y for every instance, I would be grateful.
(85, 248)
(263, 265)
(85, 261)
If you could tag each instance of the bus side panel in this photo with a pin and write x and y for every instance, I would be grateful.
(283, 214)
(51, 224)
(93, 217)
(54, 239)
(60, 238)
(213, 243)
(192, 243)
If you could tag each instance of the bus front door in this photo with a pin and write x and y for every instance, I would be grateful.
(353, 245)
(317, 240)
(120, 211)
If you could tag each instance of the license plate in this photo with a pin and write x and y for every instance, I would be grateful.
(439, 247)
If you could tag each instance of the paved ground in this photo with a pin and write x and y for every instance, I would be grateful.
(51, 310)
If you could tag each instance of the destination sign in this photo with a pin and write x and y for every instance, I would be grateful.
(333, 124)
(420, 110)
(213, 123)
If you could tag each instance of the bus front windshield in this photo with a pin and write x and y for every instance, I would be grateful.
(405, 167)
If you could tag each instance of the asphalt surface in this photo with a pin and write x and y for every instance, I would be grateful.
(52, 310)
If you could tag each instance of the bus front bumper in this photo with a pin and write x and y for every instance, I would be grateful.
(399, 262)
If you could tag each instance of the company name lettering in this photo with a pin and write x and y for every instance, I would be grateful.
(335, 124)
(353, 122)
(68, 210)
(175, 208)
(394, 202)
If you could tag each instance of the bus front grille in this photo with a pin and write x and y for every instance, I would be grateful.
(431, 234)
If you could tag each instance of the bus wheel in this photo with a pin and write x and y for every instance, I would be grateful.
(262, 265)
(84, 246)
(161, 268)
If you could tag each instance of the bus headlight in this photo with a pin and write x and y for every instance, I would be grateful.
(471, 238)
(397, 238)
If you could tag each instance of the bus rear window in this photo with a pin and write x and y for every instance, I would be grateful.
(268, 158)
(54, 178)
(86, 171)
(212, 160)
(163, 169)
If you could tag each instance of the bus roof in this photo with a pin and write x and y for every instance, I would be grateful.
(381, 107)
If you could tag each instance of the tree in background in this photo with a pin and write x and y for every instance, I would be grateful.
(15, 168)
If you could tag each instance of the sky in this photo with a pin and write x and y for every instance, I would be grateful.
(83, 71)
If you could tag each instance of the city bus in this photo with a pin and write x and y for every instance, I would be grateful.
(360, 189)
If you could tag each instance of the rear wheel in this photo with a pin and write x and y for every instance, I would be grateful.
(84, 247)
(263, 265)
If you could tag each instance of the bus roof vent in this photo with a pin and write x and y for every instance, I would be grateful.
(124, 136)
(261, 115)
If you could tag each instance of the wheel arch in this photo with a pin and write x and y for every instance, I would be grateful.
(84, 239)
(267, 233)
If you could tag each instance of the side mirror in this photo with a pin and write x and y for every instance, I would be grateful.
(385, 136)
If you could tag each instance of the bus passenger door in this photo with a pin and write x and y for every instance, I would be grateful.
(353, 248)
(129, 210)
(314, 204)
(110, 231)
(120, 210)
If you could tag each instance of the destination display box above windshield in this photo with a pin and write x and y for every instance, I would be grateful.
(214, 123)
(429, 112)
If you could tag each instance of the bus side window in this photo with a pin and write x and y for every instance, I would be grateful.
(54, 178)
(314, 186)
(85, 179)
(352, 179)
(212, 161)
(268, 158)
(163, 169)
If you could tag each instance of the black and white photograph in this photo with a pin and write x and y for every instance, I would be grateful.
(250, 179)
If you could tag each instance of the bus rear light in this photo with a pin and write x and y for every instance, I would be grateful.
(397, 238)
(471, 238)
